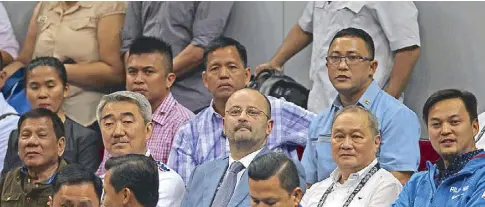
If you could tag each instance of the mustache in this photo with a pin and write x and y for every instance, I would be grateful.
(120, 140)
(242, 125)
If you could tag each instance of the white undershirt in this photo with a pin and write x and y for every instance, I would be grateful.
(381, 189)
(246, 160)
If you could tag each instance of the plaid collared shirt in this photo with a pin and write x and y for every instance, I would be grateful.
(201, 140)
(167, 119)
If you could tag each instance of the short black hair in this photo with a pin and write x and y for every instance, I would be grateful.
(138, 173)
(42, 112)
(222, 42)
(469, 100)
(52, 62)
(358, 33)
(144, 45)
(74, 174)
(272, 164)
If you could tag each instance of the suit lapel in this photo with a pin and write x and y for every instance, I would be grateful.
(212, 178)
(242, 188)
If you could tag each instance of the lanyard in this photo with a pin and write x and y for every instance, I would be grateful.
(356, 190)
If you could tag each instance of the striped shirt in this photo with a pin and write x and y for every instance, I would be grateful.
(167, 119)
(201, 139)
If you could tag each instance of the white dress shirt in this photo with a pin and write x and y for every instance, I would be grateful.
(7, 125)
(246, 160)
(392, 26)
(380, 190)
(480, 138)
(8, 43)
(171, 187)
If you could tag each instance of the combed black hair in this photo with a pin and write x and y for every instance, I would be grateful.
(275, 164)
(144, 45)
(52, 62)
(223, 42)
(354, 32)
(138, 173)
(42, 112)
(469, 100)
(74, 174)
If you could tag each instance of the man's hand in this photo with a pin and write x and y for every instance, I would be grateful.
(402, 176)
(3, 78)
(295, 41)
(269, 65)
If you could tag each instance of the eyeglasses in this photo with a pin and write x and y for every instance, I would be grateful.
(252, 112)
(349, 60)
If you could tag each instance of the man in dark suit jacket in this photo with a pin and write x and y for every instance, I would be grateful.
(224, 182)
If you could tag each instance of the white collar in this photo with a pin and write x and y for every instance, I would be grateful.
(353, 177)
(246, 160)
(147, 153)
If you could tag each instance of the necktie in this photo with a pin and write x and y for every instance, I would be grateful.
(224, 194)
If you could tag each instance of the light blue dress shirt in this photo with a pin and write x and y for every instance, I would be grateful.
(398, 126)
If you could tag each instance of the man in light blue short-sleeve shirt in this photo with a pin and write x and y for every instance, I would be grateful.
(351, 66)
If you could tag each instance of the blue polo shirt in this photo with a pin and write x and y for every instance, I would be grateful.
(398, 125)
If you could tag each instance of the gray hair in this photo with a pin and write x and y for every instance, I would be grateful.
(140, 100)
(373, 123)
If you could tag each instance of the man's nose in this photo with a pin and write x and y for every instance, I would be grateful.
(445, 129)
(224, 72)
(346, 144)
(118, 130)
(138, 79)
(343, 64)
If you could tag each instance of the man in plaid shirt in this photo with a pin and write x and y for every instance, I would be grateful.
(201, 139)
(149, 71)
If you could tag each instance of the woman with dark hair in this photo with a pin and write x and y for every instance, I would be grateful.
(85, 36)
(46, 87)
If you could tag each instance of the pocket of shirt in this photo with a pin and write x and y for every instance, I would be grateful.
(82, 23)
(321, 138)
(11, 199)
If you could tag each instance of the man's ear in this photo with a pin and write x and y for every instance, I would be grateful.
(204, 79)
(377, 142)
(269, 127)
(297, 195)
(61, 146)
(373, 68)
(127, 195)
(149, 128)
(247, 72)
(170, 80)
(475, 127)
